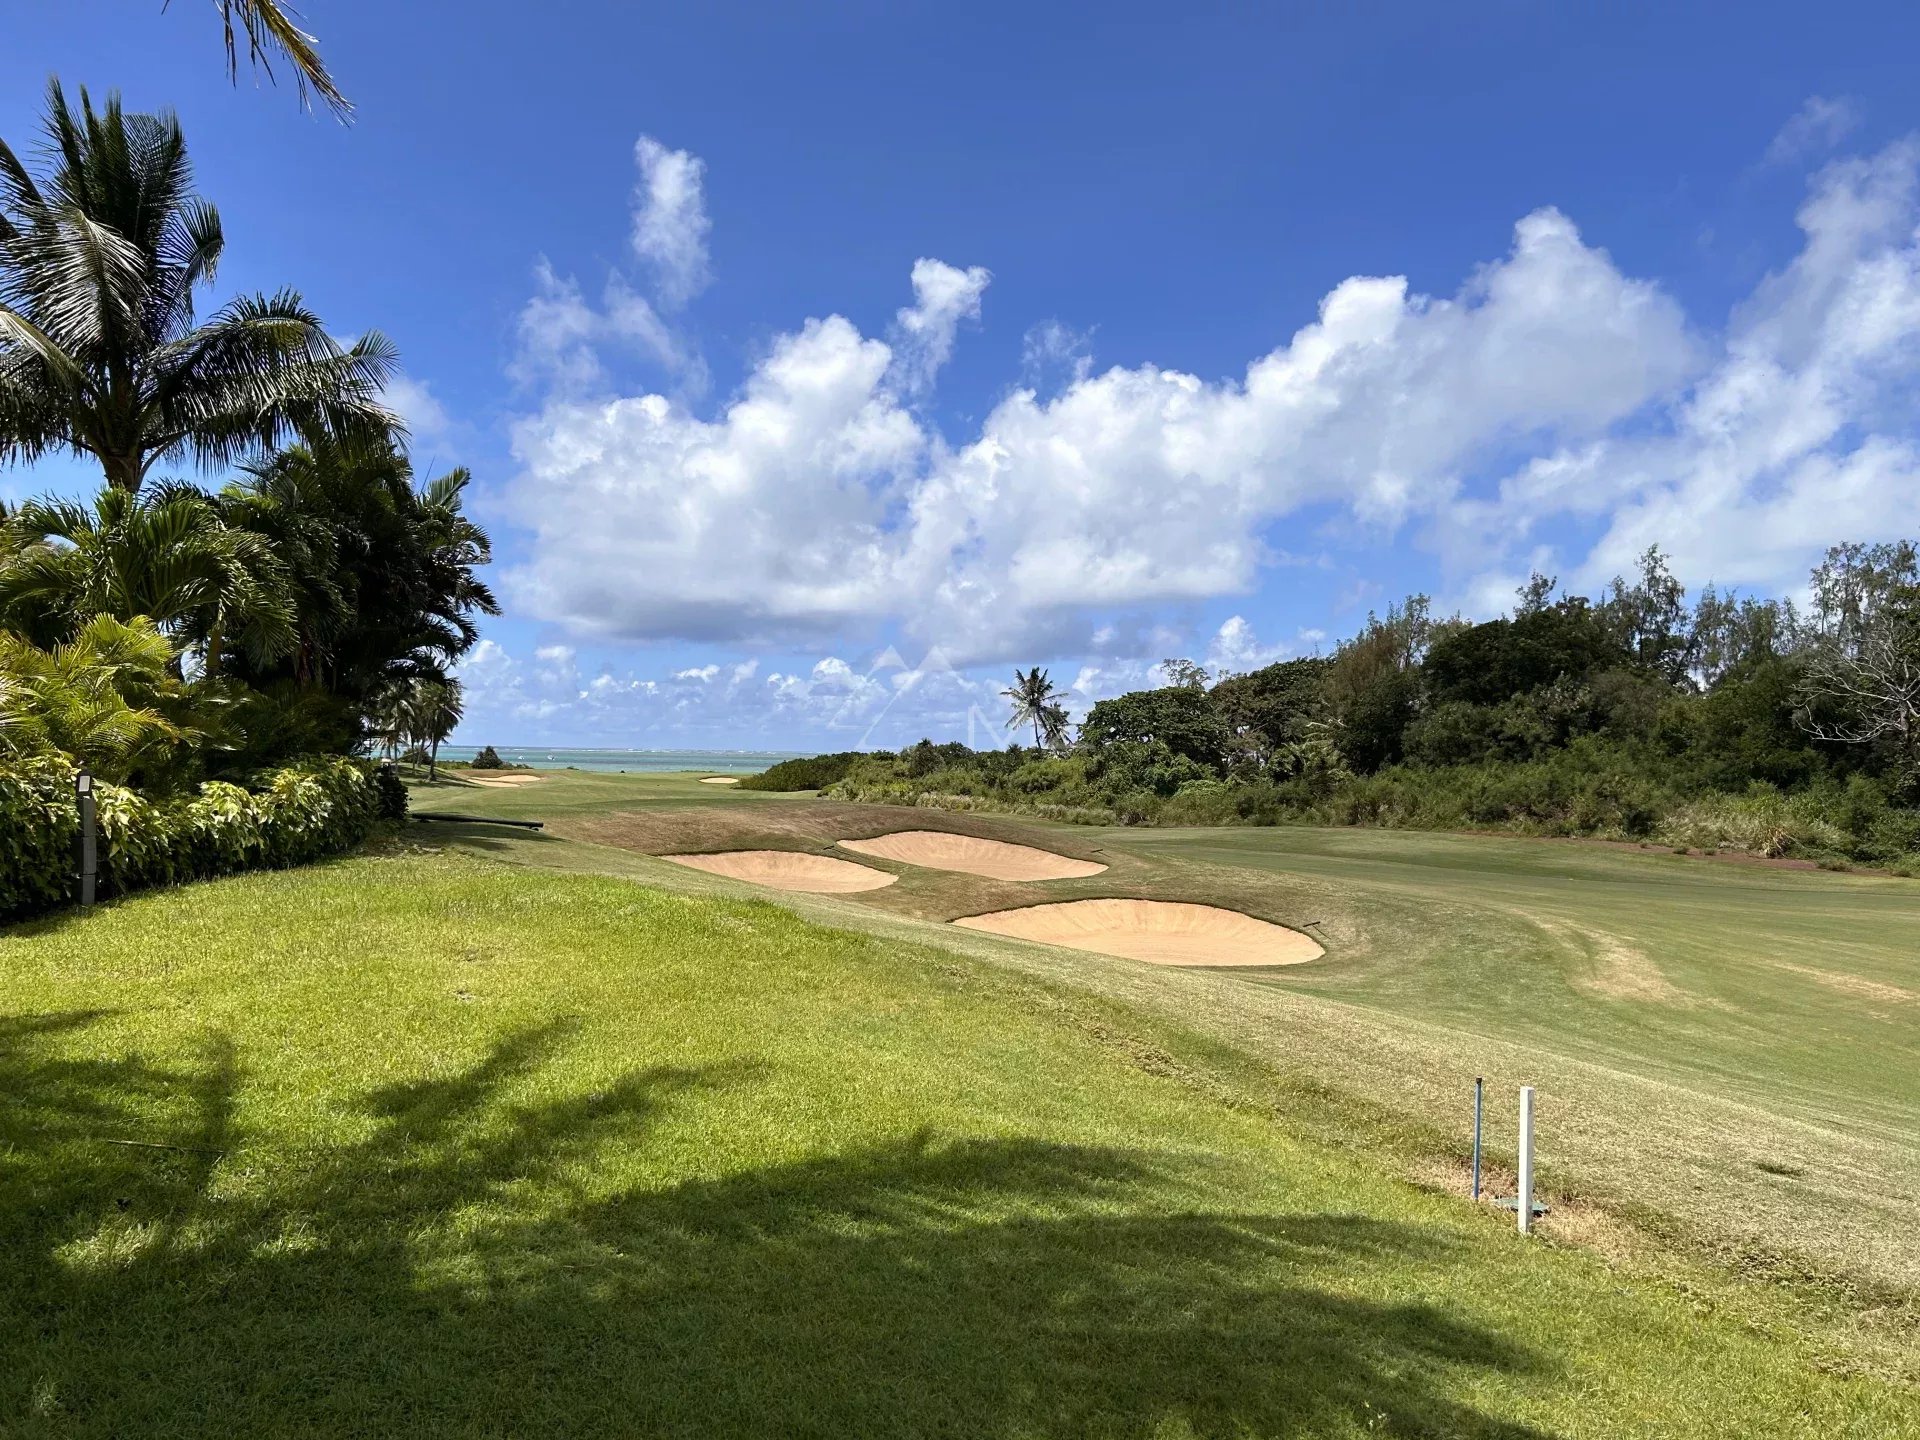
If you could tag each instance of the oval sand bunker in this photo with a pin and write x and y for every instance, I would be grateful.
(1162, 932)
(789, 870)
(719, 780)
(995, 859)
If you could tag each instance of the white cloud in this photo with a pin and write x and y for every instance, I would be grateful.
(820, 501)
(1236, 649)
(415, 403)
(943, 296)
(1796, 436)
(834, 704)
(1053, 354)
(670, 222)
(1816, 127)
(563, 339)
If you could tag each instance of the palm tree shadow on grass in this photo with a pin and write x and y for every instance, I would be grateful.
(456, 1272)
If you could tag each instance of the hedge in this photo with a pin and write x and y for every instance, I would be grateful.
(813, 772)
(301, 812)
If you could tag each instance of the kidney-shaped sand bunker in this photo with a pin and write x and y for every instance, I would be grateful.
(789, 870)
(969, 854)
(1162, 932)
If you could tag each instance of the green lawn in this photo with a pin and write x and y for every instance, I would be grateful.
(424, 1144)
(1724, 1053)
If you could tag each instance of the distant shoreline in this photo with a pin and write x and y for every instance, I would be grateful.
(561, 757)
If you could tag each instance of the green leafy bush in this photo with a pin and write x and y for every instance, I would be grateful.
(393, 793)
(815, 772)
(289, 816)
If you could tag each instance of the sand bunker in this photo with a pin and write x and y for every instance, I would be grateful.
(1159, 931)
(995, 859)
(508, 781)
(719, 779)
(789, 870)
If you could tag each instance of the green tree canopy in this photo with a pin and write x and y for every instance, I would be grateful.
(101, 351)
(1182, 718)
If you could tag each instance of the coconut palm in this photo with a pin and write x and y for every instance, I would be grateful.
(1053, 724)
(1032, 694)
(434, 709)
(270, 28)
(100, 349)
(166, 555)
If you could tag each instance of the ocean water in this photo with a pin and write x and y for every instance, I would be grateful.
(556, 757)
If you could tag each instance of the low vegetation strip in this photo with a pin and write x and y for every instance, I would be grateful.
(286, 816)
(609, 1155)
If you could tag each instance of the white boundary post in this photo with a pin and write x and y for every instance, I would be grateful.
(1523, 1206)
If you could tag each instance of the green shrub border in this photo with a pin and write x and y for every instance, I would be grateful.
(298, 813)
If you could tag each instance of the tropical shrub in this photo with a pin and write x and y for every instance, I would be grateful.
(289, 816)
(814, 773)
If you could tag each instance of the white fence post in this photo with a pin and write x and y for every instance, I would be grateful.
(1524, 1205)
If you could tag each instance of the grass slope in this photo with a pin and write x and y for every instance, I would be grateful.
(419, 1144)
(1723, 1051)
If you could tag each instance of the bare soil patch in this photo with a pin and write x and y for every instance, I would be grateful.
(1855, 985)
(789, 870)
(1616, 969)
(1161, 932)
(972, 855)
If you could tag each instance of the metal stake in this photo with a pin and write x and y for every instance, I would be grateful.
(83, 792)
(1479, 1085)
(1524, 1205)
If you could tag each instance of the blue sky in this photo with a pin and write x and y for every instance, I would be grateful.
(818, 369)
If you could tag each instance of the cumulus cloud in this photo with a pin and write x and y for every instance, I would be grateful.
(670, 222)
(415, 403)
(1552, 411)
(1795, 436)
(1235, 649)
(817, 498)
(943, 296)
(1816, 127)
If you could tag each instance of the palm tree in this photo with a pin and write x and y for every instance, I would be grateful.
(383, 569)
(166, 555)
(100, 352)
(269, 27)
(99, 699)
(1053, 723)
(434, 709)
(1032, 694)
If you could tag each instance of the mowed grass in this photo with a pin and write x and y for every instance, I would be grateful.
(421, 1144)
(1724, 1053)
(558, 794)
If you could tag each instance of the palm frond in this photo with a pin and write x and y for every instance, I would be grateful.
(269, 28)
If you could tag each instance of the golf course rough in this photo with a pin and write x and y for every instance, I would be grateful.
(789, 870)
(972, 855)
(1161, 932)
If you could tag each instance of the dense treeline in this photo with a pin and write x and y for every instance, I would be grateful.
(1729, 722)
(195, 645)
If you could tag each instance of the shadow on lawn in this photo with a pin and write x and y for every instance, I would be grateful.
(452, 1273)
